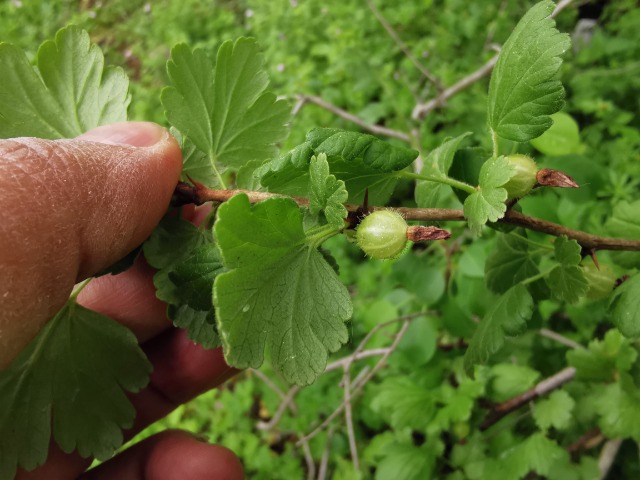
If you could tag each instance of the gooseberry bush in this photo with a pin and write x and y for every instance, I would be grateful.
(259, 279)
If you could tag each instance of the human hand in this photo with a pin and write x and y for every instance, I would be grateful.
(69, 209)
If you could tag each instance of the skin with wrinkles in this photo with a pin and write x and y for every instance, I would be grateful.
(56, 240)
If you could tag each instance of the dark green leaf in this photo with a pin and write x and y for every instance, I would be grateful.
(193, 277)
(361, 161)
(200, 325)
(71, 380)
(625, 307)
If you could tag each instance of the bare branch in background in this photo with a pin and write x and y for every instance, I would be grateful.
(324, 460)
(350, 117)
(403, 46)
(607, 456)
(503, 409)
(421, 110)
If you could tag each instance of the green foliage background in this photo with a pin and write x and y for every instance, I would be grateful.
(420, 417)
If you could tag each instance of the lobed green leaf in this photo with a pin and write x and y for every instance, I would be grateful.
(279, 291)
(326, 193)
(430, 194)
(68, 93)
(522, 91)
(70, 381)
(227, 112)
(508, 316)
(362, 161)
(487, 204)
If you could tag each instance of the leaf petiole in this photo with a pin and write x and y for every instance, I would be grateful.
(320, 235)
(537, 277)
(439, 179)
(77, 291)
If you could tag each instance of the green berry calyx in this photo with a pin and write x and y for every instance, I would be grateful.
(601, 282)
(382, 234)
(524, 178)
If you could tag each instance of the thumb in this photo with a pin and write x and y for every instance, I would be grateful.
(69, 208)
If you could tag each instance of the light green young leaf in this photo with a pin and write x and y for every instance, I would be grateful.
(326, 193)
(361, 161)
(406, 462)
(508, 316)
(509, 380)
(604, 360)
(226, 113)
(279, 291)
(487, 204)
(70, 92)
(567, 281)
(618, 406)
(438, 162)
(522, 91)
(625, 307)
(625, 223)
(404, 403)
(554, 411)
(562, 138)
(70, 380)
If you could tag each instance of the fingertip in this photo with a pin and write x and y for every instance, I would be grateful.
(171, 455)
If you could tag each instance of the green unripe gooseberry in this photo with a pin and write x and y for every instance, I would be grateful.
(382, 234)
(601, 282)
(524, 178)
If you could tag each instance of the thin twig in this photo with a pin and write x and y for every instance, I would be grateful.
(284, 404)
(403, 46)
(267, 381)
(324, 460)
(589, 439)
(308, 458)
(186, 193)
(545, 332)
(348, 417)
(374, 352)
(375, 129)
(542, 388)
(607, 456)
(421, 110)
(360, 385)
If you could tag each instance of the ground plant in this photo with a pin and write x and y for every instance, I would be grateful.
(422, 274)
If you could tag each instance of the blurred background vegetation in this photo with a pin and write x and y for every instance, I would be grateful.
(339, 51)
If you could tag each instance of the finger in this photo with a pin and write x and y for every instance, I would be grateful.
(171, 455)
(83, 205)
(130, 299)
